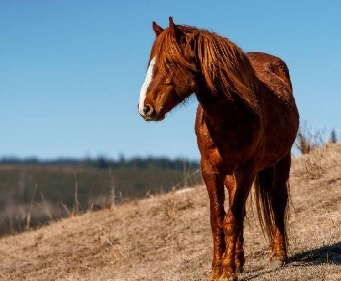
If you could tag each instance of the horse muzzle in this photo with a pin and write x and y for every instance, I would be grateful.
(150, 114)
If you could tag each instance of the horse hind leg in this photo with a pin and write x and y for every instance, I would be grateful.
(279, 199)
(239, 255)
(271, 198)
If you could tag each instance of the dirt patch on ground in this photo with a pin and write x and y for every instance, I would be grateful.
(168, 237)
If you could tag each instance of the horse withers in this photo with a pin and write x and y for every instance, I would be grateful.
(246, 124)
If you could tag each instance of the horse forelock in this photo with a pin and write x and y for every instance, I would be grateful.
(223, 65)
(169, 54)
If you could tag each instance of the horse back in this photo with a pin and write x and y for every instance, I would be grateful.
(274, 73)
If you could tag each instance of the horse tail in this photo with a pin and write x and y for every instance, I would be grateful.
(263, 186)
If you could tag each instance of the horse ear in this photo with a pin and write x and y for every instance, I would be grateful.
(157, 29)
(174, 30)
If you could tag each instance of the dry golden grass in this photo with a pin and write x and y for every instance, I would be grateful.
(168, 237)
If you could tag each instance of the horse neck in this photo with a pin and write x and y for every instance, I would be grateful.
(222, 111)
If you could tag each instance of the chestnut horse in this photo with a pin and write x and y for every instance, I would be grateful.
(246, 124)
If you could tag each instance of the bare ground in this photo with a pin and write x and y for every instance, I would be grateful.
(168, 237)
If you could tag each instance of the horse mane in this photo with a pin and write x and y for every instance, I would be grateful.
(169, 53)
(224, 66)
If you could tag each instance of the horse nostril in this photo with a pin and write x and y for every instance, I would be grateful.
(146, 109)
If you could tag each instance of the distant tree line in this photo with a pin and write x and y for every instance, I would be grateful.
(102, 162)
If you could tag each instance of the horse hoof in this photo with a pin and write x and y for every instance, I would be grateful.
(214, 276)
(229, 277)
(276, 263)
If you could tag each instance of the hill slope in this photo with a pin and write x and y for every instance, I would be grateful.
(168, 237)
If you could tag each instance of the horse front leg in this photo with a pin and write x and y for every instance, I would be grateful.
(215, 187)
(230, 183)
(233, 224)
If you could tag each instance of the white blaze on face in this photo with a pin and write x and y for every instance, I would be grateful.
(146, 84)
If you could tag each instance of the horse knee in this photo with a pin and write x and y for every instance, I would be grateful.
(232, 225)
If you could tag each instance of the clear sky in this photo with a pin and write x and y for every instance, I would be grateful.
(71, 70)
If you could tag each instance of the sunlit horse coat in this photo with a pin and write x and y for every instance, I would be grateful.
(246, 124)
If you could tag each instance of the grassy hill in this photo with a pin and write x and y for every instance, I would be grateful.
(167, 237)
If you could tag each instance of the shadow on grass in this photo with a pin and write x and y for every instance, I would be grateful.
(330, 254)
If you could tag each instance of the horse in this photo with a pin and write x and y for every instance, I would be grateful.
(246, 124)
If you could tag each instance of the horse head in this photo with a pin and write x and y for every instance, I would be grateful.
(171, 74)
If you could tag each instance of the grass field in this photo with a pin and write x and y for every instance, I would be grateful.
(167, 237)
(32, 195)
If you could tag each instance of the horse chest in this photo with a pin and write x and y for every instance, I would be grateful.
(225, 149)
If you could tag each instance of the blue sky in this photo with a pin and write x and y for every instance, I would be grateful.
(71, 71)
